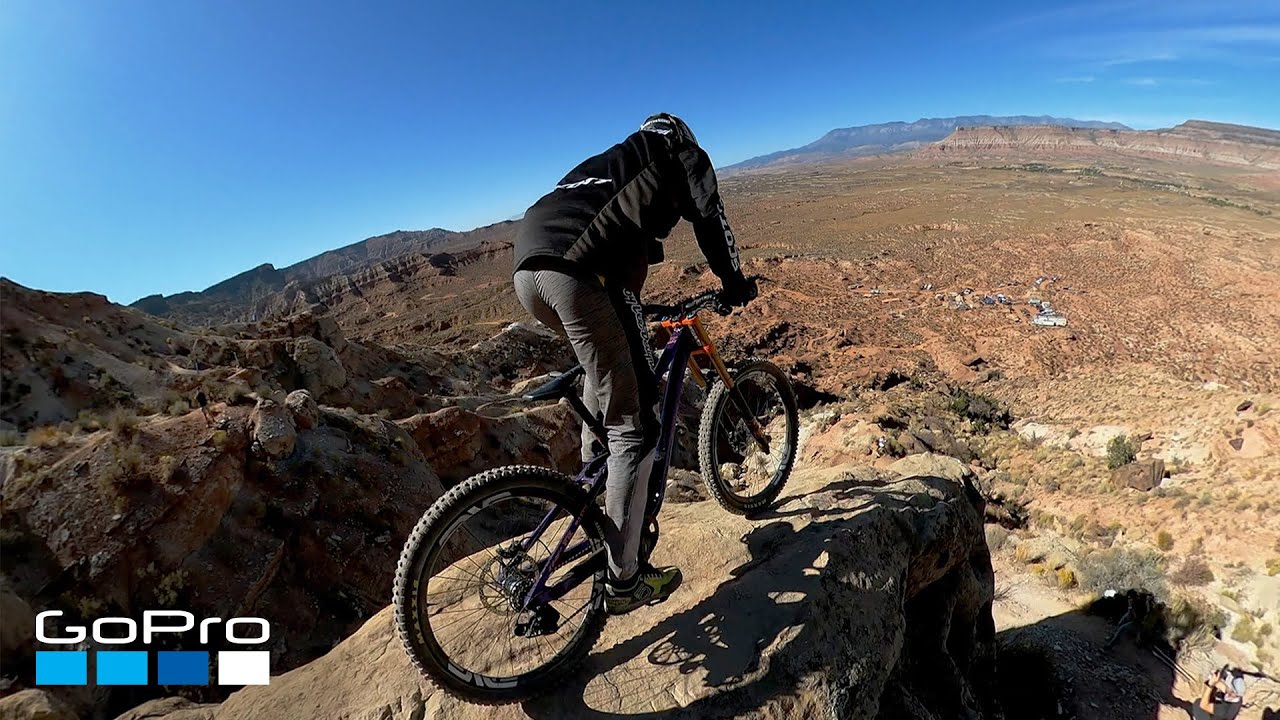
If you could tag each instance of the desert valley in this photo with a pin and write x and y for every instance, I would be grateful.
(1079, 323)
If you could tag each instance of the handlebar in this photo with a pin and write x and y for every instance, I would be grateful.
(690, 306)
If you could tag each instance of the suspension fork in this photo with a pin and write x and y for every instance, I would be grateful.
(708, 350)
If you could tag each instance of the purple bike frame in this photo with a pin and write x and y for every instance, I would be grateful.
(673, 363)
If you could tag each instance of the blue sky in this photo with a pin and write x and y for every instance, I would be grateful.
(164, 146)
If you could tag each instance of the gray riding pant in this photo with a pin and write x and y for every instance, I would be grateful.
(605, 326)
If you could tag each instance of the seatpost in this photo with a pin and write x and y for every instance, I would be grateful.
(580, 409)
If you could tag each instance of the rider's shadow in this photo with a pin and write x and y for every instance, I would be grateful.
(727, 640)
(724, 637)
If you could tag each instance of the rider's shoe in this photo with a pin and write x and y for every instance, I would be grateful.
(649, 585)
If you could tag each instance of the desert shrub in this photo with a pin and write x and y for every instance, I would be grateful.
(126, 468)
(1121, 451)
(997, 536)
(1190, 621)
(1193, 571)
(1026, 554)
(1245, 631)
(167, 468)
(220, 439)
(170, 587)
(1052, 484)
(1206, 499)
(1182, 502)
(1264, 630)
(1164, 540)
(49, 436)
(1067, 578)
(89, 421)
(178, 407)
(1273, 566)
(1123, 569)
(122, 422)
(982, 410)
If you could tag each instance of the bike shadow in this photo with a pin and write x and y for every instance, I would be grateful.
(716, 647)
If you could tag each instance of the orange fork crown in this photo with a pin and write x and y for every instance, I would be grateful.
(707, 350)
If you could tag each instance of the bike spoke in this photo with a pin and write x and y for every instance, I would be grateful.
(476, 595)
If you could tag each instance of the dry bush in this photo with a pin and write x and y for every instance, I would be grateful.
(1191, 621)
(123, 422)
(126, 469)
(1123, 569)
(1164, 540)
(1193, 571)
(89, 421)
(983, 411)
(1026, 555)
(49, 436)
(1121, 451)
(1245, 631)
(220, 439)
(1067, 578)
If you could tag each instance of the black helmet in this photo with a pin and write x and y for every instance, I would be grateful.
(668, 124)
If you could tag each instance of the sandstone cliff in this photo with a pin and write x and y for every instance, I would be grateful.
(1194, 141)
(860, 596)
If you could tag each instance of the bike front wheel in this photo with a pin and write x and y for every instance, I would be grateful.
(468, 569)
(747, 437)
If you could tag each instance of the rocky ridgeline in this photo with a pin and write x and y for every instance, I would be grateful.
(289, 495)
(337, 289)
(1195, 141)
(77, 357)
(266, 291)
(867, 595)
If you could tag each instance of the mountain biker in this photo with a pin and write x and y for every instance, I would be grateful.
(581, 257)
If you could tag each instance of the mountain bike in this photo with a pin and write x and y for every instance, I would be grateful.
(499, 591)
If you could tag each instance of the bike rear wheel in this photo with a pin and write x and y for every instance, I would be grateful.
(463, 576)
(740, 472)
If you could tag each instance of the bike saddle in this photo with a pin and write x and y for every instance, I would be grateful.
(560, 387)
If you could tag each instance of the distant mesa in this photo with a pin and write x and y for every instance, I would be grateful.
(864, 140)
(1195, 141)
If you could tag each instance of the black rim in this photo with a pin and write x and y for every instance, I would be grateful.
(478, 596)
(734, 446)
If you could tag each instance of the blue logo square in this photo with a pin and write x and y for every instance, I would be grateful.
(182, 668)
(62, 667)
(122, 667)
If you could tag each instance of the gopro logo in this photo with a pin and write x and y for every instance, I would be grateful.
(133, 667)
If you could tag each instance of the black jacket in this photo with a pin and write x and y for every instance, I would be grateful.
(608, 215)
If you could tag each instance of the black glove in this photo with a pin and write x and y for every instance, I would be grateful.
(738, 291)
